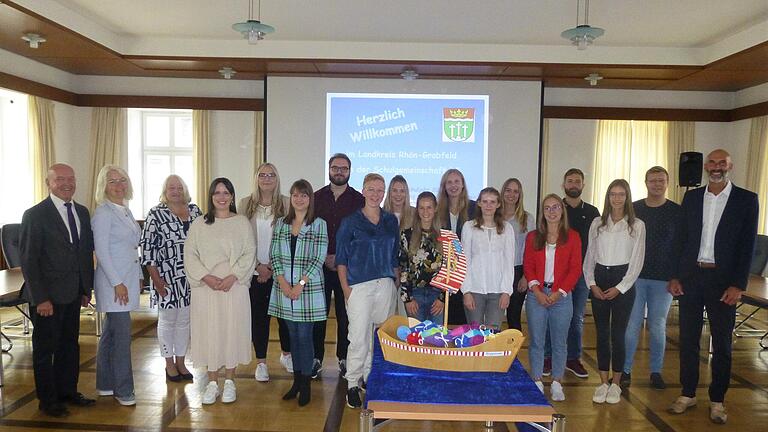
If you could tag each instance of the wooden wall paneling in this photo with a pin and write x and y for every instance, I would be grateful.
(610, 113)
(15, 83)
(227, 104)
(749, 111)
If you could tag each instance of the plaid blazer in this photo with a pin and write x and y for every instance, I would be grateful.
(311, 248)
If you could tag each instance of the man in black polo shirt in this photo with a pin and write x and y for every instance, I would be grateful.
(580, 217)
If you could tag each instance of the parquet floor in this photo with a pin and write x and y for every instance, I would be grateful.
(177, 407)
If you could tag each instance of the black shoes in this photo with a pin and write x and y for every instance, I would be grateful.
(353, 398)
(317, 367)
(305, 384)
(78, 400)
(657, 381)
(57, 410)
(294, 390)
(626, 380)
(173, 378)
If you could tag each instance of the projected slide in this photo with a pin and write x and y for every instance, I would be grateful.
(417, 136)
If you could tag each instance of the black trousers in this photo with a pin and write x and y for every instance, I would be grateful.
(611, 318)
(516, 301)
(702, 292)
(332, 285)
(56, 352)
(260, 293)
(456, 315)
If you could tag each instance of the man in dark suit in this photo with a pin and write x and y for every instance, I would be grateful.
(57, 263)
(718, 239)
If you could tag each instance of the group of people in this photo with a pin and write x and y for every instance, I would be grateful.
(218, 277)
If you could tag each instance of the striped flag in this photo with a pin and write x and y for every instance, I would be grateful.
(454, 267)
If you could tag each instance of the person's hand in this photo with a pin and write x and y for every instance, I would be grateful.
(226, 283)
(296, 291)
(554, 297)
(160, 286)
(731, 296)
(469, 301)
(611, 293)
(437, 307)
(347, 293)
(212, 282)
(412, 308)
(541, 297)
(522, 286)
(85, 301)
(675, 287)
(330, 262)
(597, 292)
(121, 294)
(45, 308)
(504, 301)
(285, 288)
(265, 272)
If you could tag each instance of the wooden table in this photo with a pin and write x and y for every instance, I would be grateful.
(11, 281)
(756, 295)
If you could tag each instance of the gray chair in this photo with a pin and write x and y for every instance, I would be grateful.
(9, 239)
(760, 257)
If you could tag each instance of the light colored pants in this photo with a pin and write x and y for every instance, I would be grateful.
(113, 361)
(173, 331)
(654, 294)
(547, 323)
(487, 310)
(369, 304)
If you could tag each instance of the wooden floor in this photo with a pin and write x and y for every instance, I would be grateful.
(177, 407)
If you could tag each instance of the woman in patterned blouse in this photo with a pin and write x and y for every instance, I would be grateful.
(299, 245)
(162, 246)
(420, 258)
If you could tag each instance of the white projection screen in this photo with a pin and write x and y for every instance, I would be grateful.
(299, 138)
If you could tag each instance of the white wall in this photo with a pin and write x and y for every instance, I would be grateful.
(232, 139)
(72, 143)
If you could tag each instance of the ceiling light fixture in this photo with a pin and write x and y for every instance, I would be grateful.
(409, 75)
(227, 72)
(583, 34)
(253, 29)
(593, 78)
(33, 39)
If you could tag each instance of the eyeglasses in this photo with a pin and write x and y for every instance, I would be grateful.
(267, 175)
(553, 208)
(122, 180)
(338, 169)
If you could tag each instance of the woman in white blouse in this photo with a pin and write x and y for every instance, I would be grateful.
(513, 210)
(489, 244)
(263, 207)
(613, 262)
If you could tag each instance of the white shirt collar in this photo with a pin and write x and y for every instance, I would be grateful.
(725, 192)
(58, 202)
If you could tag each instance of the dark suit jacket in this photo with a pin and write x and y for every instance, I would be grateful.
(460, 224)
(54, 269)
(734, 237)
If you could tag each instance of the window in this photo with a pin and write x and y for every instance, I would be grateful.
(159, 144)
(15, 157)
(627, 149)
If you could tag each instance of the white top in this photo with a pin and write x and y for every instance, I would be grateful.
(262, 225)
(59, 203)
(549, 263)
(615, 246)
(520, 236)
(454, 221)
(489, 259)
(710, 219)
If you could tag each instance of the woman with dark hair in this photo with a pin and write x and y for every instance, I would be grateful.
(219, 259)
(420, 259)
(299, 245)
(489, 244)
(613, 262)
(454, 208)
(552, 264)
(513, 211)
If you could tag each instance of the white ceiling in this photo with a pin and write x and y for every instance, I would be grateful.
(529, 26)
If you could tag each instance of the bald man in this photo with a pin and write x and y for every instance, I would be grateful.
(718, 239)
(57, 263)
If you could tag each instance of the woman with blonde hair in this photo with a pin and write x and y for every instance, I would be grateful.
(398, 202)
(162, 247)
(117, 281)
(513, 211)
(264, 207)
(454, 209)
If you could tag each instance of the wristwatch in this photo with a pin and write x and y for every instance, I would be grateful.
(302, 282)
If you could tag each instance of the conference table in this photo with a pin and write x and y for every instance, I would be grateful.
(756, 296)
(11, 281)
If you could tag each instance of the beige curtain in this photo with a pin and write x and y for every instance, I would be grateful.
(201, 155)
(109, 128)
(681, 139)
(258, 139)
(544, 167)
(42, 128)
(757, 165)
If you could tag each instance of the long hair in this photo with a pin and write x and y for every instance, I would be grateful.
(301, 186)
(210, 216)
(406, 216)
(519, 211)
(164, 193)
(540, 238)
(276, 201)
(629, 210)
(443, 202)
(100, 196)
(417, 230)
(498, 217)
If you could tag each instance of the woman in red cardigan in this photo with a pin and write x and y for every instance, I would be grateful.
(552, 265)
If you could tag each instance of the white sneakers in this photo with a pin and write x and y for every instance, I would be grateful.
(614, 394)
(556, 390)
(229, 394)
(262, 373)
(287, 362)
(211, 393)
(600, 393)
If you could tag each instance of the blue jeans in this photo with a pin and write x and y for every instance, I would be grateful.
(548, 323)
(578, 296)
(424, 297)
(113, 361)
(302, 347)
(653, 293)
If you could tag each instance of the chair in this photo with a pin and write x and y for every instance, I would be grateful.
(760, 257)
(9, 239)
(756, 298)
